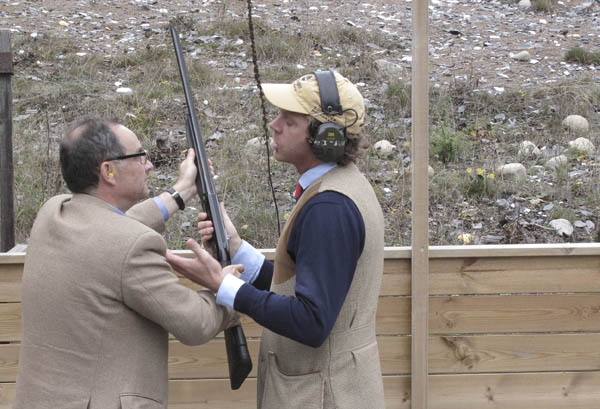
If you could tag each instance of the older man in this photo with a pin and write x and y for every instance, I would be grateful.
(99, 298)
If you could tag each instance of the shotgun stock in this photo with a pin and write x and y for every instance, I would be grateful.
(240, 363)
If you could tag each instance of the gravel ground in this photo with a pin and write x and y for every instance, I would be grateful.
(468, 39)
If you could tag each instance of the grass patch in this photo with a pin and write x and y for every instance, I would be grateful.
(581, 56)
(544, 6)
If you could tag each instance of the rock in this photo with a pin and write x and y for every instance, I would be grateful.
(491, 239)
(562, 226)
(512, 171)
(556, 162)
(583, 145)
(524, 4)
(383, 148)
(390, 68)
(124, 91)
(527, 149)
(255, 145)
(466, 238)
(522, 56)
(502, 203)
(576, 123)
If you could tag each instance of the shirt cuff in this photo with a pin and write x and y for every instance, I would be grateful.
(162, 207)
(252, 260)
(228, 290)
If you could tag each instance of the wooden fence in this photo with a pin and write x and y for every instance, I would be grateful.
(510, 327)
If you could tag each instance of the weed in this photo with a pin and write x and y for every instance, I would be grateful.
(582, 56)
(478, 183)
(545, 6)
(563, 212)
(446, 144)
(397, 99)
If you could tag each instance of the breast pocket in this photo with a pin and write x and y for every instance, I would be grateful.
(291, 391)
(133, 401)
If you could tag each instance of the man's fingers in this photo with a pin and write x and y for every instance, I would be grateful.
(196, 248)
(176, 262)
(235, 269)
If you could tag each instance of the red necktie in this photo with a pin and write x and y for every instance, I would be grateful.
(298, 191)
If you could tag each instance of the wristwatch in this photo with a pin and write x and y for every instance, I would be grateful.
(175, 195)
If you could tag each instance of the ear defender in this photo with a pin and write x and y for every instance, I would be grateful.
(328, 140)
(110, 174)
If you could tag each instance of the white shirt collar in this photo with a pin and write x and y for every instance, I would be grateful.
(315, 173)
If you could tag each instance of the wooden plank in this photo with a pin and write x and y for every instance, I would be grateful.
(577, 390)
(444, 252)
(514, 313)
(9, 362)
(514, 353)
(210, 360)
(10, 282)
(468, 354)
(498, 275)
(216, 394)
(10, 322)
(447, 315)
(12, 258)
(420, 204)
(393, 318)
(396, 277)
(513, 250)
(494, 275)
(7, 395)
(491, 275)
(503, 391)
(7, 215)
(565, 390)
(450, 275)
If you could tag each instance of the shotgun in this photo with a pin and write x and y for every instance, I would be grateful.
(238, 357)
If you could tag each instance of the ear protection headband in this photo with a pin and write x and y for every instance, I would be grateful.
(328, 139)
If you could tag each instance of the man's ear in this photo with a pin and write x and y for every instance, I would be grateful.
(107, 173)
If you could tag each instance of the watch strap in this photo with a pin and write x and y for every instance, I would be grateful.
(175, 195)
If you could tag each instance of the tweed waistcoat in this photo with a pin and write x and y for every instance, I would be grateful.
(344, 372)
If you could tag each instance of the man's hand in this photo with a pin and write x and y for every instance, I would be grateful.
(186, 183)
(204, 269)
(206, 229)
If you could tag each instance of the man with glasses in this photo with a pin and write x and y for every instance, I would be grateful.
(99, 299)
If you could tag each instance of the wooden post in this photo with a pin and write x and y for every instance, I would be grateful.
(420, 206)
(7, 225)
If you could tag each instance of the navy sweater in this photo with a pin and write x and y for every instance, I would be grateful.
(325, 242)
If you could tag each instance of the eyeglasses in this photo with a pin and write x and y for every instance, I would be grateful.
(143, 155)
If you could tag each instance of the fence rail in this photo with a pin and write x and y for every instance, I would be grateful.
(509, 327)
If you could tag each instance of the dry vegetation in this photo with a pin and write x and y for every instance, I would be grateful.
(471, 128)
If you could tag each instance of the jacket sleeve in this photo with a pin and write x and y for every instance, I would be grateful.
(150, 288)
(148, 213)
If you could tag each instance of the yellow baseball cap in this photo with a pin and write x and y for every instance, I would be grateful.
(303, 96)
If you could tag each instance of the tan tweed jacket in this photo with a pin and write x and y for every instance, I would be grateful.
(344, 373)
(99, 300)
